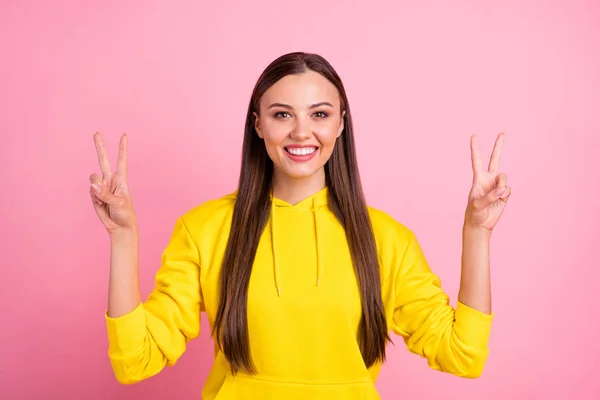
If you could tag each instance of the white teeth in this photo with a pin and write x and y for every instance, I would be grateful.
(301, 151)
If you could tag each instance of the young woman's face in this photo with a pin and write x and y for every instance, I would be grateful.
(300, 120)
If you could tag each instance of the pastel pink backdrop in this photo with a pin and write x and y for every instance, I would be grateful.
(421, 77)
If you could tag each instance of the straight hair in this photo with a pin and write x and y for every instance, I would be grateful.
(251, 213)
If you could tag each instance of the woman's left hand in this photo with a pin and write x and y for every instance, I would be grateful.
(489, 193)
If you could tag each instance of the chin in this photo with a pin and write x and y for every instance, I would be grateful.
(299, 173)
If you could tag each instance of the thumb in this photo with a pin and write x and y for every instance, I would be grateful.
(103, 194)
(491, 197)
(101, 211)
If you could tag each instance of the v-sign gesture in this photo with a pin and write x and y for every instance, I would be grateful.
(489, 192)
(110, 194)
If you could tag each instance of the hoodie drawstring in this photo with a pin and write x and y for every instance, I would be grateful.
(276, 271)
(273, 247)
(318, 248)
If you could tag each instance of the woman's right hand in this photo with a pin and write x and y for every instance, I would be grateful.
(110, 193)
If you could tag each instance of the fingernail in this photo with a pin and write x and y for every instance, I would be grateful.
(500, 191)
(95, 188)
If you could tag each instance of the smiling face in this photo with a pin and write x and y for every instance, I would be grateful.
(299, 121)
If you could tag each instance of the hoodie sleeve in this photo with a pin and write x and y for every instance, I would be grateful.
(452, 340)
(156, 332)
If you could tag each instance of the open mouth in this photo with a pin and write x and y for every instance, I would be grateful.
(300, 151)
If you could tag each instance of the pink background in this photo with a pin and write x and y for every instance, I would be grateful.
(177, 76)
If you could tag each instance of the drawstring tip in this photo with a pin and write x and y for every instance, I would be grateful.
(278, 292)
(318, 281)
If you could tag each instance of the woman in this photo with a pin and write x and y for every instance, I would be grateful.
(300, 280)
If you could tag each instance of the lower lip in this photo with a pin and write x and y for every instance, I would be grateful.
(304, 158)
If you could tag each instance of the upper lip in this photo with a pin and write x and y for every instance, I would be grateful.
(300, 146)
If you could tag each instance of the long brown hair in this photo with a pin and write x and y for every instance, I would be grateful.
(251, 213)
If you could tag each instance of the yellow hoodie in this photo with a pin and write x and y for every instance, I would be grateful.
(303, 307)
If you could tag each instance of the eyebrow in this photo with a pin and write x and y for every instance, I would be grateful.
(323, 103)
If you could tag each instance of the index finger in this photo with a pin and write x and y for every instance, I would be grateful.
(122, 158)
(102, 156)
(496, 153)
(475, 157)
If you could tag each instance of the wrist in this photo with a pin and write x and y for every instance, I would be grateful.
(476, 233)
(124, 235)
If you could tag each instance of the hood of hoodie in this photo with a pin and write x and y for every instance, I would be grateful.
(315, 206)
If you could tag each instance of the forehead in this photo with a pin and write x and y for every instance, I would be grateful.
(301, 90)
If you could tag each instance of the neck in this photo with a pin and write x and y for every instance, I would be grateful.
(293, 190)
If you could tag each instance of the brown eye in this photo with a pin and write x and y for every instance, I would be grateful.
(281, 114)
(321, 114)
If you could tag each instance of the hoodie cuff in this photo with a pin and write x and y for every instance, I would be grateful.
(127, 332)
(473, 326)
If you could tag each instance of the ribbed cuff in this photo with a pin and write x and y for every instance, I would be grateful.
(473, 326)
(127, 332)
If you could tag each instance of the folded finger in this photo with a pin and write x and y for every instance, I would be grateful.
(501, 180)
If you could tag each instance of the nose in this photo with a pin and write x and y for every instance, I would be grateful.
(302, 129)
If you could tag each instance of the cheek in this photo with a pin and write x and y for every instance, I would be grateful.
(327, 135)
(274, 134)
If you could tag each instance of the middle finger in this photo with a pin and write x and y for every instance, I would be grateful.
(102, 157)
